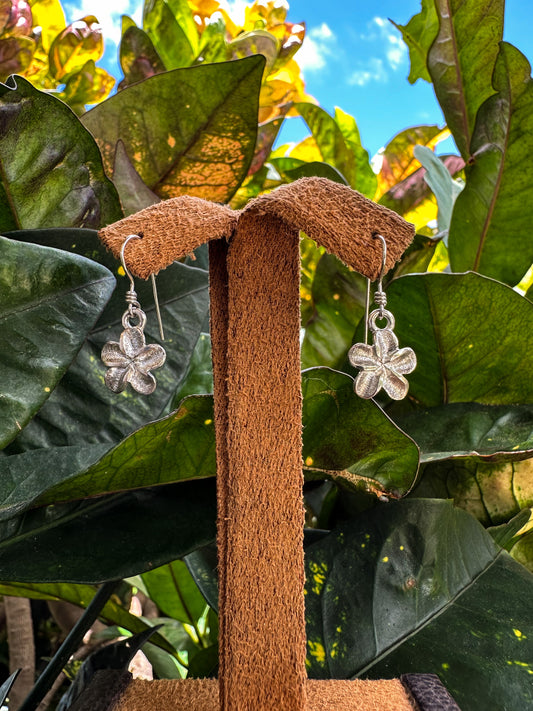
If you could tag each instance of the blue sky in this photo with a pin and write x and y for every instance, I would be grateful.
(353, 57)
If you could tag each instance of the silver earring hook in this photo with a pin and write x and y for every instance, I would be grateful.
(123, 261)
(379, 297)
(132, 284)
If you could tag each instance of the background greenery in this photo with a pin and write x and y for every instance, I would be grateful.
(419, 546)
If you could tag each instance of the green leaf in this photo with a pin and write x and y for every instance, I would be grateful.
(81, 595)
(204, 149)
(338, 304)
(340, 146)
(78, 43)
(291, 169)
(467, 352)
(174, 591)
(441, 183)
(138, 57)
(495, 433)
(49, 300)
(492, 492)
(490, 230)
(110, 537)
(419, 34)
(202, 564)
(82, 409)
(351, 439)
(171, 27)
(199, 378)
(51, 170)
(134, 195)
(178, 447)
(419, 585)
(461, 61)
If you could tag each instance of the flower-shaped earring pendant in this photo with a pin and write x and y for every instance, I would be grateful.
(131, 360)
(383, 364)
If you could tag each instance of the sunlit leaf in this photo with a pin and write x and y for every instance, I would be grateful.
(490, 230)
(78, 43)
(45, 183)
(461, 61)
(89, 85)
(174, 591)
(205, 147)
(50, 17)
(419, 34)
(493, 492)
(171, 27)
(49, 301)
(417, 585)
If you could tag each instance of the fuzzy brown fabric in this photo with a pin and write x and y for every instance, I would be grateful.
(202, 695)
(337, 217)
(255, 322)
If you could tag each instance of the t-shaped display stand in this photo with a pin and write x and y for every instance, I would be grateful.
(254, 269)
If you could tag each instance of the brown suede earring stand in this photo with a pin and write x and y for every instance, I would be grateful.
(255, 324)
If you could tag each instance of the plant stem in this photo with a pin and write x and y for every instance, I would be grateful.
(69, 646)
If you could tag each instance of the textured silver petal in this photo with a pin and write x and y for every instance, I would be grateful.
(362, 355)
(116, 379)
(112, 355)
(403, 361)
(144, 383)
(368, 383)
(396, 386)
(150, 357)
(385, 343)
(132, 341)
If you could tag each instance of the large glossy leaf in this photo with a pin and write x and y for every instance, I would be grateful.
(340, 146)
(492, 492)
(472, 338)
(420, 586)
(110, 537)
(461, 61)
(351, 439)
(52, 174)
(82, 409)
(338, 304)
(49, 300)
(81, 595)
(492, 433)
(490, 230)
(189, 131)
(178, 447)
(174, 591)
(419, 34)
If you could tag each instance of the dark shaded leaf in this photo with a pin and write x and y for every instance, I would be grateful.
(134, 195)
(189, 131)
(82, 409)
(466, 352)
(114, 536)
(5, 688)
(138, 57)
(54, 166)
(49, 300)
(490, 230)
(492, 433)
(351, 439)
(199, 378)
(291, 169)
(461, 61)
(178, 447)
(420, 585)
(202, 565)
(338, 304)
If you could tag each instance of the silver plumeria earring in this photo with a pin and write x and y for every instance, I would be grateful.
(131, 360)
(382, 364)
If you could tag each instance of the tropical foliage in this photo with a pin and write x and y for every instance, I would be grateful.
(419, 547)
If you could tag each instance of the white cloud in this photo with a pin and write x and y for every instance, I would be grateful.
(317, 47)
(107, 12)
(373, 70)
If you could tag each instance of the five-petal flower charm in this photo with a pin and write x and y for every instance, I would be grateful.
(383, 365)
(131, 361)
